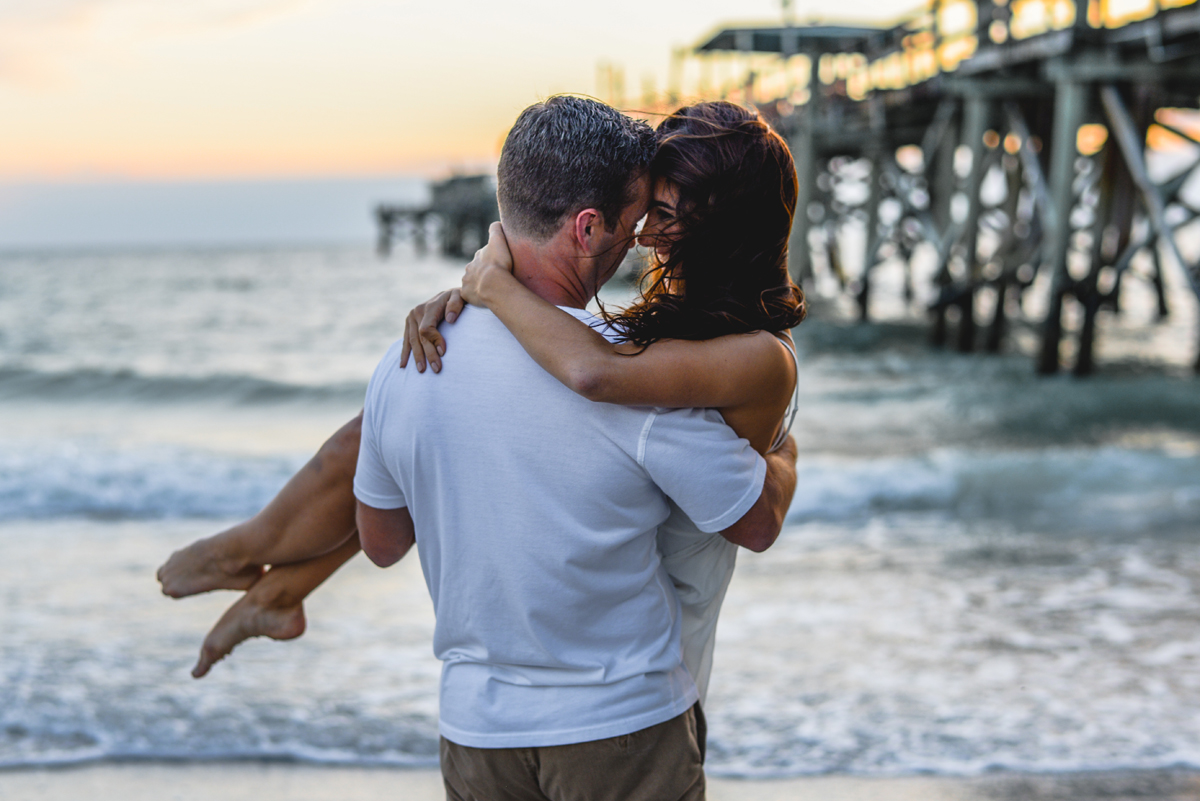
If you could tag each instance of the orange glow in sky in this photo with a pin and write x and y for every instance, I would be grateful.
(236, 88)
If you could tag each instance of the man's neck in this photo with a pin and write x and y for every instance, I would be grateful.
(549, 270)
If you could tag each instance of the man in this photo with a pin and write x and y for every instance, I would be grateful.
(535, 510)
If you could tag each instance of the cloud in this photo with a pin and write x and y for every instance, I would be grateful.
(76, 15)
(27, 69)
(40, 40)
(244, 14)
(35, 41)
(53, 16)
(199, 16)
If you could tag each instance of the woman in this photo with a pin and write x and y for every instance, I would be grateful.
(708, 331)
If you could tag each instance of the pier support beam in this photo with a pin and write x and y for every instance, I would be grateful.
(1088, 291)
(804, 154)
(871, 238)
(875, 153)
(1070, 107)
(1132, 149)
(940, 166)
(1160, 286)
(977, 113)
(999, 324)
(386, 220)
(938, 148)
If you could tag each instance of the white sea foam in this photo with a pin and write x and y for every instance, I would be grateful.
(897, 645)
(916, 644)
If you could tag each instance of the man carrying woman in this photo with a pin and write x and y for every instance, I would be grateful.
(535, 510)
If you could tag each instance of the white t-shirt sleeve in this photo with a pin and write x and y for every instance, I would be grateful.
(374, 485)
(700, 463)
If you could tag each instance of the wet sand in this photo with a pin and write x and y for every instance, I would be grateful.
(262, 781)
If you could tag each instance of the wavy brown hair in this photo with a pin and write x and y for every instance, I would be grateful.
(725, 271)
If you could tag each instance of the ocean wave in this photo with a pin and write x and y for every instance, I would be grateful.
(868, 738)
(1086, 489)
(88, 383)
(405, 743)
(722, 761)
(1095, 490)
(74, 479)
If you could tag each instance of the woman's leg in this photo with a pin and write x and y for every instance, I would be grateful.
(273, 606)
(312, 515)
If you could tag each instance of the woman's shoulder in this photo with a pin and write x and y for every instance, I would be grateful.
(771, 352)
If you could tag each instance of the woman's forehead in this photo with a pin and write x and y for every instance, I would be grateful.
(666, 192)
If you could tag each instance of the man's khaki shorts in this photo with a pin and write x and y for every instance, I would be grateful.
(661, 763)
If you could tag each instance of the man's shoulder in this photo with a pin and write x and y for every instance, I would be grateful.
(387, 369)
(596, 323)
(472, 322)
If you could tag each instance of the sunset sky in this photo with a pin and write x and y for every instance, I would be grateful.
(235, 89)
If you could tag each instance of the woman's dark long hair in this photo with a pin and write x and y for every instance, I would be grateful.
(725, 270)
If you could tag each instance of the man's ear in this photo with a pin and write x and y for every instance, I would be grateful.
(589, 225)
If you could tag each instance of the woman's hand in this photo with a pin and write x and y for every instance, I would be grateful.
(421, 336)
(422, 341)
(493, 263)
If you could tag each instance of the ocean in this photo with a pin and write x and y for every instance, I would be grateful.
(982, 570)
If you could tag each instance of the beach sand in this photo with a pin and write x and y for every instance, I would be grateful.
(263, 781)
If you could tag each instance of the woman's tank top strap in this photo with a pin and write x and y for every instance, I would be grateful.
(789, 416)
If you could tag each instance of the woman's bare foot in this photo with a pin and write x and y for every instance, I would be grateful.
(245, 619)
(273, 606)
(312, 515)
(204, 566)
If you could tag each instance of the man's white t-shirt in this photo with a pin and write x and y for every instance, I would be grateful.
(535, 513)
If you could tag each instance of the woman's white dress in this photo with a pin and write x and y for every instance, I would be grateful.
(701, 565)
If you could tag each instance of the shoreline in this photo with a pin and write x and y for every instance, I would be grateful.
(251, 780)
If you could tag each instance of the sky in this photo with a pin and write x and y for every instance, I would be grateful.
(110, 108)
(239, 88)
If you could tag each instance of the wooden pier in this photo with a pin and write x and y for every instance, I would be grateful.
(460, 208)
(1011, 136)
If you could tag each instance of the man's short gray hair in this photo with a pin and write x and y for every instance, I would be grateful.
(567, 154)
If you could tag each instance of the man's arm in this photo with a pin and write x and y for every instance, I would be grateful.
(760, 526)
(385, 534)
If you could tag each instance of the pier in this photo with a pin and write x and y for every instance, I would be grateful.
(1000, 144)
(460, 210)
(1008, 138)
